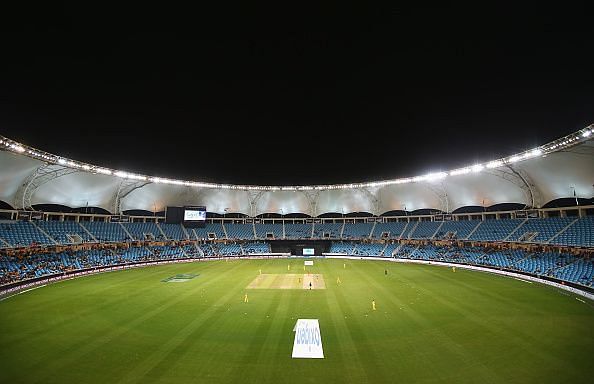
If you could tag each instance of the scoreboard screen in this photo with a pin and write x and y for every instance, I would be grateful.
(189, 216)
(195, 216)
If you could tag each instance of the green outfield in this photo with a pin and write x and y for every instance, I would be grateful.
(431, 325)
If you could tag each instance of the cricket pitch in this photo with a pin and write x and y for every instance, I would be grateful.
(288, 281)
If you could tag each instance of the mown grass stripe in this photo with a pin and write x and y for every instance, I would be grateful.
(431, 326)
(485, 373)
(87, 345)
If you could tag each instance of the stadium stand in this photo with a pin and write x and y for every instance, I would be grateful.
(495, 230)
(579, 233)
(391, 230)
(298, 231)
(173, 231)
(540, 230)
(327, 230)
(268, 231)
(457, 229)
(240, 231)
(548, 237)
(357, 239)
(104, 231)
(65, 232)
(22, 233)
(144, 231)
(425, 229)
(357, 230)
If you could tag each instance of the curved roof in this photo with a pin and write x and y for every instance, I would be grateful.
(562, 168)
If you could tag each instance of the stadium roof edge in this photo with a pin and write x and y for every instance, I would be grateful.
(573, 139)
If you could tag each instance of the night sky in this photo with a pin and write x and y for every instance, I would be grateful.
(293, 96)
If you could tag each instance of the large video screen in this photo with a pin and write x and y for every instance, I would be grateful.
(308, 251)
(195, 216)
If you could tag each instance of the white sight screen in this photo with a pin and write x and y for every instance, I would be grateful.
(308, 251)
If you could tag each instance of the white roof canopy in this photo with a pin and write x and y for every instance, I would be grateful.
(555, 170)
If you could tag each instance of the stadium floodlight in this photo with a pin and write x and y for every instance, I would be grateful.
(404, 181)
(435, 176)
(62, 161)
(136, 177)
(494, 164)
(103, 171)
(18, 148)
(477, 168)
(586, 134)
(460, 171)
(514, 159)
(121, 174)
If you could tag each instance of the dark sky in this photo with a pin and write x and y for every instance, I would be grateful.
(293, 96)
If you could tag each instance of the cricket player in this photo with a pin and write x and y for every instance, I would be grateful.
(373, 304)
(245, 298)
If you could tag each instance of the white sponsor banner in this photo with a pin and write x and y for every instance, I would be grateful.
(308, 262)
(308, 340)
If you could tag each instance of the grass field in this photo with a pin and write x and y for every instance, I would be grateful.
(431, 325)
